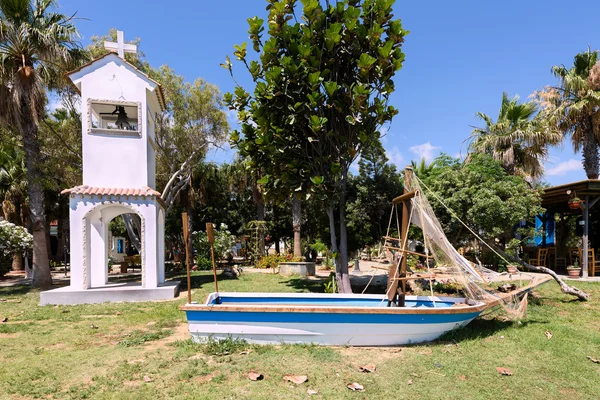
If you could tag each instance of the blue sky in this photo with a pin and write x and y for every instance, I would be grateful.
(460, 57)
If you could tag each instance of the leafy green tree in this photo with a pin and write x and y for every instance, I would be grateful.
(573, 107)
(482, 195)
(371, 194)
(37, 45)
(321, 93)
(517, 140)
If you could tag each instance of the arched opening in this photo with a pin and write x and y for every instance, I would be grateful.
(101, 247)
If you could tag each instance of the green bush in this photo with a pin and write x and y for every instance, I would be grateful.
(203, 263)
(273, 260)
(224, 241)
(318, 246)
(14, 239)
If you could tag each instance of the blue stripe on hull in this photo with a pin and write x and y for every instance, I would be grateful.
(324, 318)
(334, 302)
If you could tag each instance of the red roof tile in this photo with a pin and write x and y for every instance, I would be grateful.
(103, 191)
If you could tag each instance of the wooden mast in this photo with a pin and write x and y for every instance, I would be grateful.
(397, 276)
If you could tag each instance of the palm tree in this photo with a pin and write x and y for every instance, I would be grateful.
(573, 108)
(37, 44)
(516, 139)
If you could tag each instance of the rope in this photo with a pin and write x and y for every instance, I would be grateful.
(458, 219)
(385, 241)
(426, 240)
(470, 230)
(405, 241)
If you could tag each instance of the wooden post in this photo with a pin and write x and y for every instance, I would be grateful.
(397, 276)
(584, 256)
(186, 233)
(211, 239)
(404, 232)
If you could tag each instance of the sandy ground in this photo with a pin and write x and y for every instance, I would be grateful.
(367, 270)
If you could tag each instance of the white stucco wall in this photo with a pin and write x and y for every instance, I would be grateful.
(89, 219)
(111, 160)
(150, 153)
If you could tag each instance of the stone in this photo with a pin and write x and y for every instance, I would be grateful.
(297, 268)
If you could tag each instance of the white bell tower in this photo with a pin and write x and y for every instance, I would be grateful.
(119, 104)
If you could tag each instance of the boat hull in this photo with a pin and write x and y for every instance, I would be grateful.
(356, 320)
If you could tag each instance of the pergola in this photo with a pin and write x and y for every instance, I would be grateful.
(556, 200)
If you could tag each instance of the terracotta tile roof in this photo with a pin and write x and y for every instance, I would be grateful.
(107, 191)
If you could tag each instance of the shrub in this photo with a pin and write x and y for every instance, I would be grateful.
(318, 246)
(203, 263)
(224, 241)
(273, 260)
(13, 239)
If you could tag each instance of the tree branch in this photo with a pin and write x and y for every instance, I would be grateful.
(75, 153)
(571, 290)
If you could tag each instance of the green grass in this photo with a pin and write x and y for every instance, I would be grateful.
(105, 351)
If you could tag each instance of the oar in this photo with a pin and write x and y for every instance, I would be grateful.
(211, 239)
(184, 217)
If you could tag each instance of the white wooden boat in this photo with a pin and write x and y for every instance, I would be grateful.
(387, 319)
(327, 319)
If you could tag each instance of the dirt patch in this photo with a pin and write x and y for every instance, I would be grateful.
(180, 332)
(372, 354)
(10, 335)
(132, 383)
(99, 316)
(57, 346)
(205, 378)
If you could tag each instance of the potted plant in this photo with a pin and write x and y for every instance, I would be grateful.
(575, 203)
(574, 270)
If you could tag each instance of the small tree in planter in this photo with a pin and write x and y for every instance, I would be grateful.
(13, 239)
(574, 270)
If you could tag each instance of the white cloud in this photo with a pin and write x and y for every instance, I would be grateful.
(395, 156)
(232, 116)
(384, 131)
(426, 151)
(564, 167)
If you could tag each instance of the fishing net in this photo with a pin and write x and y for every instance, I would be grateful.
(442, 260)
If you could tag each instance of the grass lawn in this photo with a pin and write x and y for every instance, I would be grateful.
(106, 351)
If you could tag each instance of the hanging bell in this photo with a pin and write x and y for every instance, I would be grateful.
(122, 121)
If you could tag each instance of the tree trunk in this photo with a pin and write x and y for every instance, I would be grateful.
(37, 212)
(277, 246)
(334, 245)
(343, 276)
(297, 223)
(591, 156)
(133, 227)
